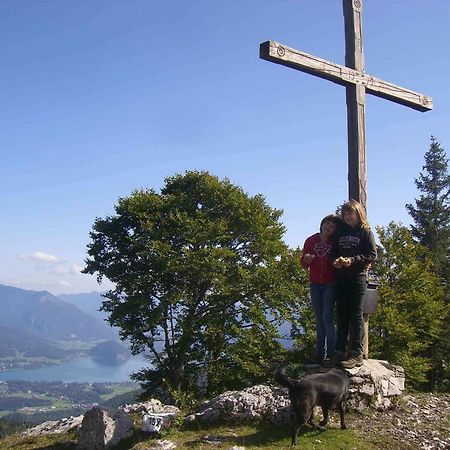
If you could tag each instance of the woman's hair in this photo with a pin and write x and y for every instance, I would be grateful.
(331, 218)
(353, 205)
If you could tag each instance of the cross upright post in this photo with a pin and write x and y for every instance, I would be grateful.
(356, 104)
(356, 83)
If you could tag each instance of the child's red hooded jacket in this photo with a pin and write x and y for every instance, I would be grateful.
(320, 269)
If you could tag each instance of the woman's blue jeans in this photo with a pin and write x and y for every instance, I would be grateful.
(322, 298)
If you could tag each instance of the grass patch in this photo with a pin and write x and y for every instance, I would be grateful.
(251, 436)
(118, 389)
(262, 436)
(266, 436)
(44, 442)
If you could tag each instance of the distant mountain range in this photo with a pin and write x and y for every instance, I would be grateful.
(47, 316)
(88, 302)
(39, 324)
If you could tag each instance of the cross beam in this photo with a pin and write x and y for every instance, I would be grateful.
(295, 59)
(356, 82)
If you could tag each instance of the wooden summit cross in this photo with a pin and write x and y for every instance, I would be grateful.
(356, 83)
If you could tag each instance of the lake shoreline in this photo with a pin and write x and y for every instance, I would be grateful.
(81, 369)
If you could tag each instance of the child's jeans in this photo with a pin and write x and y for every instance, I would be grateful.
(322, 298)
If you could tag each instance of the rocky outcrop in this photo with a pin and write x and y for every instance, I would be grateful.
(151, 406)
(374, 384)
(55, 426)
(255, 403)
(371, 385)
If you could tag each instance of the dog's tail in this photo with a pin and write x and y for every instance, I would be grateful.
(281, 378)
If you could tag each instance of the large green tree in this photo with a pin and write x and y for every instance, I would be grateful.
(431, 212)
(202, 281)
(431, 227)
(411, 306)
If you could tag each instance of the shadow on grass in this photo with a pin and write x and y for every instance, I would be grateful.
(137, 437)
(59, 446)
(272, 435)
(125, 444)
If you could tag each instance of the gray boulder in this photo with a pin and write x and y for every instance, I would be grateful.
(374, 384)
(251, 404)
(100, 431)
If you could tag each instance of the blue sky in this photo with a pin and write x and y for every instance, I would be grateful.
(99, 98)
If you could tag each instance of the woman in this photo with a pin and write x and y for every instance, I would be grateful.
(355, 252)
(316, 257)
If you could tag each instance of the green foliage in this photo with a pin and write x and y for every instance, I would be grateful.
(7, 428)
(411, 305)
(202, 277)
(431, 213)
(304, 328)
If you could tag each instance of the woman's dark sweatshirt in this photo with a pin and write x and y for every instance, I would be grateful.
(358, 243)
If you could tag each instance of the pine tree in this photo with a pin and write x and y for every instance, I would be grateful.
(431, 228)
(411, 309)
(431, 213)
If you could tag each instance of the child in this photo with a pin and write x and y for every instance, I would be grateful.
(317, 258)
(354, 253)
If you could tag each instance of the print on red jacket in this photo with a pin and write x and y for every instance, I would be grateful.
(320, 269)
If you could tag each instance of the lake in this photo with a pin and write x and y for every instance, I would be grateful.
(81, 370)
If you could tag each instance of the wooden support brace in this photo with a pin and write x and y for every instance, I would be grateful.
(366, 336)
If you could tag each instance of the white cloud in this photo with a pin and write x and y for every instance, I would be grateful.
(44, 257)
(76, 269)
(64, 283)
(40, 257)
(14, 282)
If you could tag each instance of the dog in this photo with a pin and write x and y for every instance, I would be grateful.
(329, 390)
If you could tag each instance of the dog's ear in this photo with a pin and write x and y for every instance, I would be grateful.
(277, 365)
